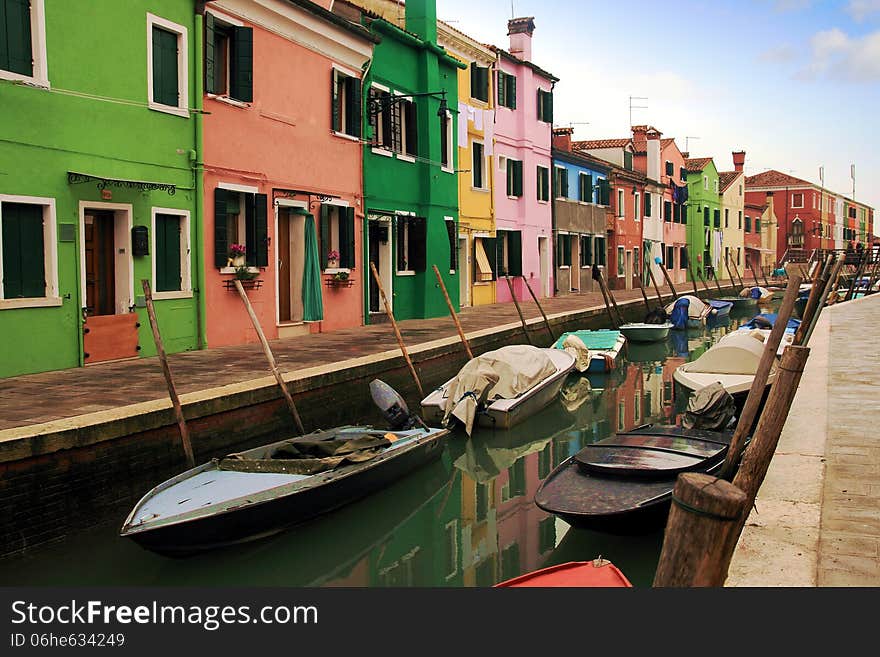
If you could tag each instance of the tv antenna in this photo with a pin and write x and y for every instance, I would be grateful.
(687, 148)
(632, 107)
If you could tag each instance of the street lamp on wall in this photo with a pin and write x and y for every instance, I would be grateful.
(381, 103)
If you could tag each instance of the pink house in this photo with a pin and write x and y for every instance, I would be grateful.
(674, 176)
(282, 168)
(524, 176)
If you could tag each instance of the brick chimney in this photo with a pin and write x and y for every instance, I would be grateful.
(739, 159)
(421, 19)
(520, 32)
(653, 153)
(562, 139)
(640, 138)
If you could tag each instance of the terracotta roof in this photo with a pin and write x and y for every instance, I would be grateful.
(537, 69)
(694, 164)
(773, 178)
(599, 143)
(726, 178)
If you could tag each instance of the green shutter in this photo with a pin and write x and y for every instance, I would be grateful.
(412, 129)
(15, 37)
(518, 179)
(324, 236)
(627, 160)
(348, 243)
(499, 252)
(24, 267)
(511, 92)
(221, 238)
(648, 210)
(418, 234)
(335, 122)
(514, 252)
(353, 107)
(241, 86)
(491, 255)
(168, 275)
(210, 63)
(548, 110)
(502, 99)
(165, 85)
(452, 236)
(563, 177)
(261, 224)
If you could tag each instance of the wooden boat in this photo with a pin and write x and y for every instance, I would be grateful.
(688, 311)
(261, 491)
(758, 293)
(643, 332)
(720, 308)
(596, 573)
(503, 412)
(624, 483)
(605, 347)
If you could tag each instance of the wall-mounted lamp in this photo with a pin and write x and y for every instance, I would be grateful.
(386, 101)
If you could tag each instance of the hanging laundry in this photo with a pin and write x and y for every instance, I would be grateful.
(488, 131)
(462, 125)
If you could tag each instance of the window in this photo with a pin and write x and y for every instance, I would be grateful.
(716, 185)
(406, 128)
(167, 67)
(28, 258)
(667, 210)
(337, 234)
(682, 257)
(543, 183)
(670, 168)
(561, 182)
(682, 174)
(739, 220)
(477, 165)
(716, 218)
(446, 142)
(627, 159)
(621, 262)
(636, 267)
(637, 206)
(649, 209)
(171, 252)
(514, 177)
(797, 200)
(758, 226)
(506, 90)
(479, 82)
(545, 106)
(585, 187)
(23, 41)
(748, 224)
(706, 182)
(706, 216)
(563, 250)
(508, 253)
(452, 235)
(411, 243)
(510, 560)
(600, 251)
(240, 217)
(485, 269)
(669, 253)
(586, 250)
(229, 63)
(620, 205)
(603, 192)
(381, 118)
(346, 102)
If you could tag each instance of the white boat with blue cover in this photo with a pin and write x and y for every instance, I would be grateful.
(688, 311)
(605, 347)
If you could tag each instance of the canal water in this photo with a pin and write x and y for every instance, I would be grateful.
(468, 519)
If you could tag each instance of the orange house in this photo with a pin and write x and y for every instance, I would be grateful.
(283, 193)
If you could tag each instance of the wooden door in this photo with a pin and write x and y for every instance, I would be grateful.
(374, 258)
(284, 267)
(100, 246)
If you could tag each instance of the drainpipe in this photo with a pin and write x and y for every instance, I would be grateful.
(197, 163)
(553, 235)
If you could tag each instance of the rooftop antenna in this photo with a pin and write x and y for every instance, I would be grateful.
(632, 107)
(852, 174)
(687, 146)
(512, 14)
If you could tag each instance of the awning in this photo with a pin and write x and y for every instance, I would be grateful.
(76, 178)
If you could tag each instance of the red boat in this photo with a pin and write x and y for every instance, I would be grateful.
(596, 573)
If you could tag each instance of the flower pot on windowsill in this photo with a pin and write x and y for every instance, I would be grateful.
(332, 264)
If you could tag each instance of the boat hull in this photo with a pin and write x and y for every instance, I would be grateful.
(646, 332)
(251, 522)
(597, 573)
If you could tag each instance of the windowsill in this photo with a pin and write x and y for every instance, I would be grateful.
(514, 198)
(179, 294)
(337, 270)
(382, 152)
(482, 283)
(543, 202)
(405, 158)
(24, 79)
(565, 266)
(33, 302)
(345, 135)
(168, 109)
(229, 100)
(231, 270)
(406, 272)
(447, 169)
(479, 189)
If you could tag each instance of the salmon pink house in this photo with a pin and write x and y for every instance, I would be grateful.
(523, 178)
(282, 167)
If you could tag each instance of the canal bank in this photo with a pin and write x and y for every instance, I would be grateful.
(816, 521)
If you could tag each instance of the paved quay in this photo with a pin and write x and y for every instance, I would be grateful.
(816, 520)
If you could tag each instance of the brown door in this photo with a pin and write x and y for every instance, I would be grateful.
(284, 266)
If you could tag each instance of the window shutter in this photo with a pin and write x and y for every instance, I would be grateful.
(161, 269)
(518, 179)
(168, 276)
(563, 176)
(417, 243)
(349, 257)
(514, 252)
(335, 122)
(511, 93)
(354, 115)
(165, 67)
(491, 255)
(242, 83)
(587, 193)
(499, 252)
(452, 236)
(412, 129)
(17, 56)
(648, 210)
(257, 230)
(210, 64)
(396, 112)
(324, 234)
(24, 273)
(221, 239)
(502, 100)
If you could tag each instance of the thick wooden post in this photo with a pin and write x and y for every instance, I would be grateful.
(756, 392)
(693, 278)
(642, 290)
(764, 274)
(715, 276)
(669, 280)
(538, 303)
(701, 526)
(464, 341)
(831, 285)
(412, 369)
(617, 318)
(269, 357)
(597, 276)
(518, 310)
(656, 287)
(755, 274)
(736, 271)
(729, 272)
(818, 295)
(169, 380)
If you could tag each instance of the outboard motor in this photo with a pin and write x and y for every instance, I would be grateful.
(656, 316)
(679, 316)
(393, 407)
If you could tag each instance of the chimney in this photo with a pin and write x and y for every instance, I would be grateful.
(421, 19)
(562, 139)
(653, 149)
(520, 32)
(640, 138)
(739, 159)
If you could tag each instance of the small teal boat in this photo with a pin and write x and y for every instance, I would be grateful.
(605, 347)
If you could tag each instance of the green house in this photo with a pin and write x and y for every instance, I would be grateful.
(97, 180)
(704, 218)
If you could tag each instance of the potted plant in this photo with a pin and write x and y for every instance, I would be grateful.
(242, 273)
(340, 276)
(236, 255)
(332, 259)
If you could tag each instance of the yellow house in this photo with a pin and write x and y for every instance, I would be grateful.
(474, 135)
(769, 228)
(732, 192)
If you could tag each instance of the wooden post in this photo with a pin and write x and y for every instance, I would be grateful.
(642, 290)
(703, 280)
(412, 369)
(717, 284)
(858, 275)
(693, 277)
(518, 310)
(669, 280)
(169, 380)
(702, 522)
(269, 357)
(538, 303)
(597, 276)
(756, 392)
(818, 295)
(736, 271)
(755, 274)
(873, 275)
(764, 274)
(619, 317)
(831, 285)
(464, 341)
(729, 272)
(654, 283)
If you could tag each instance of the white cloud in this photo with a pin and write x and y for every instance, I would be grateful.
(862, 9)
(784, 53)
(836, 55)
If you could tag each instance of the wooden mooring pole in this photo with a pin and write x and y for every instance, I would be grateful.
(452, 312)
(656, 287)
(169, 380)
(642, 290)
(693, 277)
(538, 303)
(736, 271)
(412, 369)
(269, 357)
(817, 298)
(617, 318)
(518, 310)
(669, 280)
(755, 274)
(715, 276)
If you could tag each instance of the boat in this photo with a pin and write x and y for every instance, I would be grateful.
(261, 491)
(644, 332)
(605, 347)
(688, 311)
(500, 388)
(720, 308)
(766, 321)
(596, 573)
(758, 293)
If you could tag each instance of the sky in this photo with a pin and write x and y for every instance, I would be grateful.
(791, 82)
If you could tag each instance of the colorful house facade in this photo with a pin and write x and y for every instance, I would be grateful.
(89, 207)
(753, 228)
(523, 136)
(732, 188)
(282, 169)
(674, 177)
(474, 136)
(580, 210)
(647, 158)
(704, 219)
